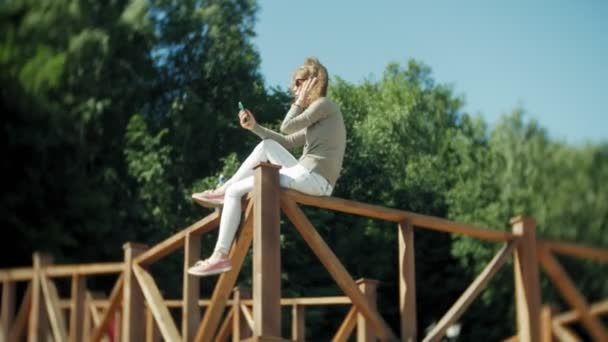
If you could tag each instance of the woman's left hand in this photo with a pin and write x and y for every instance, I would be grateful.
(305, 90)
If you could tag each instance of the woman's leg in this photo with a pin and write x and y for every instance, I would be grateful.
(266, 151)
(231, 213)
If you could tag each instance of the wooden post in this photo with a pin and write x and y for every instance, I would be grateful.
(527, 284)
(132, 328)
(298, 328)
(266, 252)
(546, 323)
(364, 329)
(38, 328)
(407, 282)
(191, 313)
(77, 308)
(240, 328)
(152, 332)
(8, 308)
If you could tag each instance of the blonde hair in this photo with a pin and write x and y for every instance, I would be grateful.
(312, 68)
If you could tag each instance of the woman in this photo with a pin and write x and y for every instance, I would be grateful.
(314, 122)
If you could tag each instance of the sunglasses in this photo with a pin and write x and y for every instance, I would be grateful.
(298, 82)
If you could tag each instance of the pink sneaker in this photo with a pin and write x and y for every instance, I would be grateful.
(209, 267)
(208, 199)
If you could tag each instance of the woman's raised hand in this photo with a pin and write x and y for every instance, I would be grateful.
(247, 119)
(305, 90)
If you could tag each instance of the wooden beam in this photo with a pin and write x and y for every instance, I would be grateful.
(335, 268)
(394, 215)
(576, 250)
(368, 287)
(569, 292)
(132, 298)
(173, 243)
(226, 328)
(19, 274)
(240, 329)
(226, 281)
(8, 308)
(471, 293)
(84, 269)
(152, 332)
(347, 326)
(266, 251)
(298, 326)
(77, 308)
(564, 334)
(527, 280)
(191, 313)
(38, 327)
(596, 309)
(248, 315)
(17, 330)
(546, 321)
(407, 283)
(114, 303)
(161, 314)
(51, 299)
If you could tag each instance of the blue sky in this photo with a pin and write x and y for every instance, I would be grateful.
(549, 57)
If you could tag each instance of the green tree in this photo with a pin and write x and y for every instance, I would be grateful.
(72, 74)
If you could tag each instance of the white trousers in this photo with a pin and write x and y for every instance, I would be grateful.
(292, 175)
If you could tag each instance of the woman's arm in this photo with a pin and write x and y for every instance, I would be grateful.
(290, 141)
(296, 119)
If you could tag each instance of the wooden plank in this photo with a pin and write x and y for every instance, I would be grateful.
(84, 269)
(335, 268)
(152, 332)
(527, 280)
(266, 251)
(240, 329)
(298, 326)
(77, 308)
(571, 295)
(226, 281)
(174, 242)
(51, 299)
(546, 318)
(91, 317)
(226, 327)
(38, 322)
(248, 315)
(132, 298)
(387, 214)
(8, 308)
(17, 330)
(577, 250)
(368, 287)
(19, 274)
(600, 308)
(114, 302)
(191, 313)
(407, 283)
(161, 314)
(471, 293)
(564, 334)
(347, 326)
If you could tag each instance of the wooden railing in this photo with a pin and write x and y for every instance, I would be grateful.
(136, 296)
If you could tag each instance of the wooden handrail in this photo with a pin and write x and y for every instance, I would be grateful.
(572, 316)
(576, 250)
(394, 215)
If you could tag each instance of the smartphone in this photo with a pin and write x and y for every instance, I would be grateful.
(241, 107)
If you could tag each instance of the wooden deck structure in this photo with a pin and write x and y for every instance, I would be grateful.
(135, 310)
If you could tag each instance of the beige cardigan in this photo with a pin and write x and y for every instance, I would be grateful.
(320, 129)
